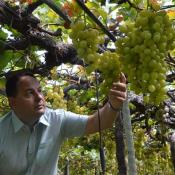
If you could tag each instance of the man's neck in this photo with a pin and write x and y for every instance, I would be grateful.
(27, 120)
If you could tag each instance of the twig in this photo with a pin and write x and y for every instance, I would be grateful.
(10, 10)
(31, 7)
(56, 33)
(167, 7)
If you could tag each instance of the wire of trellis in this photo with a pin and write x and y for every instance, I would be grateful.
(102, 155)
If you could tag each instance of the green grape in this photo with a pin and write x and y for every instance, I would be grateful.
(145, 76)
(156, 26)
(136, 49)
(153, 63)
(154, 75)
(83, 44)
(159, 19)
(146, 99)
(126, 50)
(141, 21)
(81, 51)
(91, 57)
(147, 52)
(146, 35)
(156, 37)
(162, 47)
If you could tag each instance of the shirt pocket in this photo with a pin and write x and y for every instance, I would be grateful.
(44, 153)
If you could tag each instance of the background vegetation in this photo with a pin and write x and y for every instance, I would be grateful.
(77, 49)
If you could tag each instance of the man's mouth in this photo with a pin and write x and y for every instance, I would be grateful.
(40, 106)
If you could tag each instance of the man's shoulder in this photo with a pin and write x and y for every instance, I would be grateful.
(5, 117)
(52, 112)
(52, 117)
(4, 120)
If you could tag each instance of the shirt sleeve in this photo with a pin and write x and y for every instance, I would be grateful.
(73, 124)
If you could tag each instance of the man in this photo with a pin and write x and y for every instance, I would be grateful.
(31, 134)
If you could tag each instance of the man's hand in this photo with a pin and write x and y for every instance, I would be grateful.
(117, 94)
(108, 114)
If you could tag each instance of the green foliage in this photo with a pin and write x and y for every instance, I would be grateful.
(152, 156)
(152, 148)
(4, 107)
(3, 35)
(81, 161)
(5, 57)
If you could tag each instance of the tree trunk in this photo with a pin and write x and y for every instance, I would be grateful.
(172, 149)
(132, 170)
(120, 146)
(66, 168)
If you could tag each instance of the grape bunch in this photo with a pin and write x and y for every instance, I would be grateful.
(86, 40)
(108, 64)
(143, 50)
(74, 106)
(54, 91)
(55, 97)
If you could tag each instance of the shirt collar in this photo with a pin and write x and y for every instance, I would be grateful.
(18, 124)
(43, 120)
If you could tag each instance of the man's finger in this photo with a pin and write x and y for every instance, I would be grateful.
(115, 93)
(122, 78)
(119, 86)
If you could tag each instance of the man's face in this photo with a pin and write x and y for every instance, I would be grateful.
(29, 103)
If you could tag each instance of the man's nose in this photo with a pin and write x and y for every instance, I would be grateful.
(39, 95)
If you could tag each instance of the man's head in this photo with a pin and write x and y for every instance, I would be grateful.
(25, 96)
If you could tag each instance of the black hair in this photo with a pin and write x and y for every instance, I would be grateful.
(12, 81)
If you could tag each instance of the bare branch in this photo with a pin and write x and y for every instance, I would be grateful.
(31, 7)
(18, 44)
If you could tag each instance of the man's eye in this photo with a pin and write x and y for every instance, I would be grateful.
(40, 90)
(29, 92)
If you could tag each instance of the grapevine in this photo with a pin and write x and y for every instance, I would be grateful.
(143, 50)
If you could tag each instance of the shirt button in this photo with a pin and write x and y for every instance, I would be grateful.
(30, 151)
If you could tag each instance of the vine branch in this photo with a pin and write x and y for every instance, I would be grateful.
(31, 7)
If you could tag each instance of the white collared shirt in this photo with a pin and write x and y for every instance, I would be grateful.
(23, 152)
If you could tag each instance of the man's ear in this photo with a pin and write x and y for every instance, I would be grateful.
(12, 102)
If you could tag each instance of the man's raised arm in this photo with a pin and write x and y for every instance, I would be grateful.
(110, 110)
